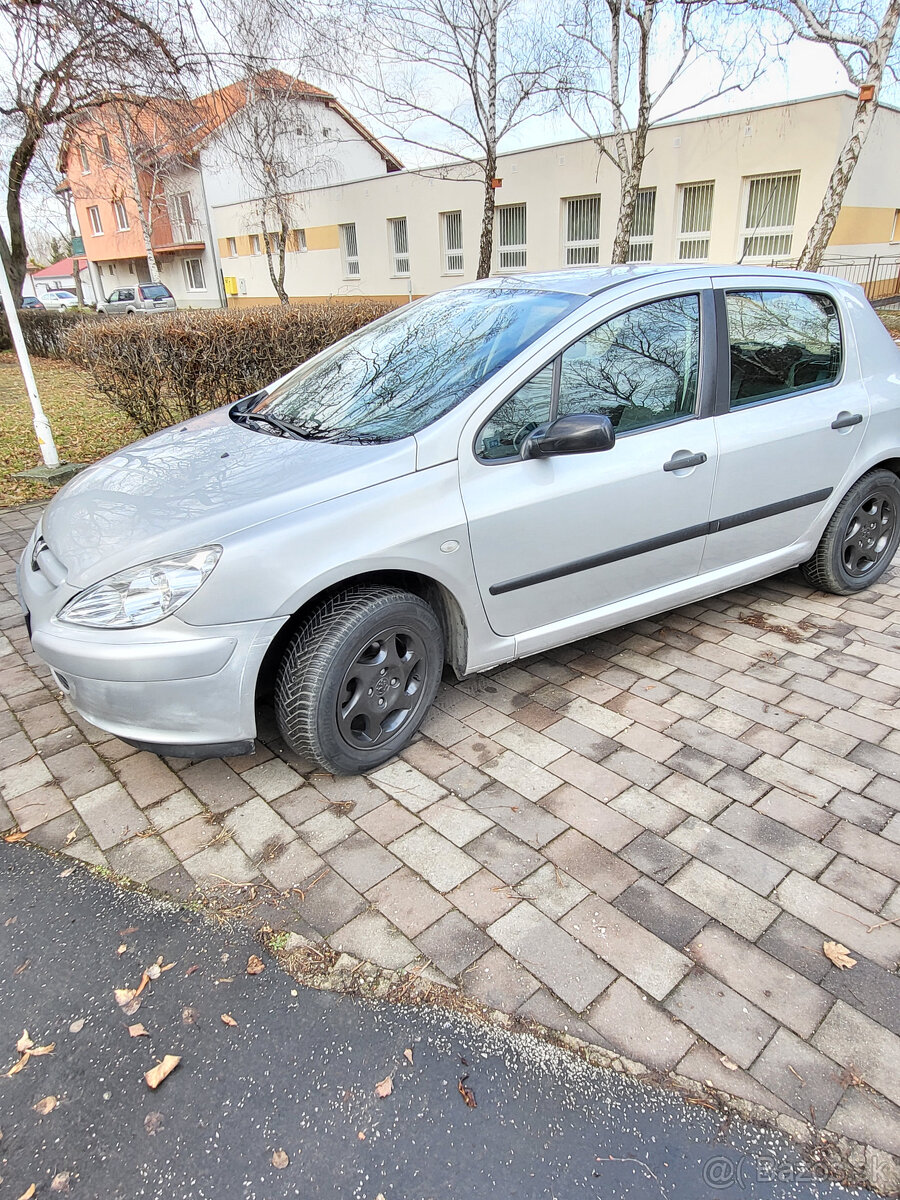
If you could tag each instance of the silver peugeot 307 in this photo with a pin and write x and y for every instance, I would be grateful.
(481, 475)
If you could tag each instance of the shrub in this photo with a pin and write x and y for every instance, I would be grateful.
(46, 331)
(161, 370)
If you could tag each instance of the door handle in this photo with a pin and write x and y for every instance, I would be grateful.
(687, 460)
(845, 420)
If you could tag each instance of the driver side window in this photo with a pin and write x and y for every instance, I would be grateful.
(503, 433)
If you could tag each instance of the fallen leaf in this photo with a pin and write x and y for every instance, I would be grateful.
(166, 966)
(384, 1088)
(122, 949)
(157, 1074)
(36, 1050)
(30, 1192)
(128, 1010)
(153, 971)
(77, 1026)
(280, 1160)
(255, 965)
(228, 1019)
(9, 921)
(189, 1016)
(466, 1092)
(60, 1182)
(838, 954)
(22, 967)
(726, 1062)
(192, 969)
(15, 837)
(17, 1067)
(67, 872)
(45, 1106)
(70, 838)
(361, 1135)
(130, 929)
(153, 1122)
(145, 979)
(407, 1054)
(24, 1043)
(124, 996)
(137, 1030)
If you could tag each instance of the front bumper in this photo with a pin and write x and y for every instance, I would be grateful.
(172, 687)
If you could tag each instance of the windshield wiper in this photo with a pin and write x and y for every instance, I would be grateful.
(283, 428)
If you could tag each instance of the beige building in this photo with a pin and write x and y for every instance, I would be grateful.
(745, 184)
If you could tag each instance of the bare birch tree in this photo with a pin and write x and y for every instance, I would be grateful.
(628, 57)
(862, 35)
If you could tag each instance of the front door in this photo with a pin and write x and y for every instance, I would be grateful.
(556, 538)
(792, 413)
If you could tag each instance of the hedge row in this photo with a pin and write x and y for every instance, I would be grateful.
(46, 331)
(161, 370)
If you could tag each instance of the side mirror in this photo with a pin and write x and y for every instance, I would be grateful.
(576, 433)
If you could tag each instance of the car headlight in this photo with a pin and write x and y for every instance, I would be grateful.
(143, 594)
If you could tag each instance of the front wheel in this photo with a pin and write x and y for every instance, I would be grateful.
(860, 539)
(358, 677)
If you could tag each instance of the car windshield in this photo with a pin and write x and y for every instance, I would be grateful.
(387, 382)
(155, 291)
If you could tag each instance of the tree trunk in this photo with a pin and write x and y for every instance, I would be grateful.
(631, 182)
(822, 228)
(14, 249)
(486, 244)
(631, 165)
(489, 125)
(143, 215)
(277, 275)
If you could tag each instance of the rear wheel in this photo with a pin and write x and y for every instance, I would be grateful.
(358, 677)
(861, 538)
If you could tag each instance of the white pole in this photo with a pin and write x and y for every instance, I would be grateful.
(41, 424)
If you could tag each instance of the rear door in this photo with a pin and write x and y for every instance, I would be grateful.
(790, 415)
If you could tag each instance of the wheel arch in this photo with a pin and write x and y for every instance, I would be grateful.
(445, 605)
(889, 464)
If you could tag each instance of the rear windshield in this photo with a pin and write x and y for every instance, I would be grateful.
(389, 381)
(155, 291)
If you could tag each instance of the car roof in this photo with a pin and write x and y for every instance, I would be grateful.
(591, 281)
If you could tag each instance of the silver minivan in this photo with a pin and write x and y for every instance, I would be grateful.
(479, 476)
(138, 300)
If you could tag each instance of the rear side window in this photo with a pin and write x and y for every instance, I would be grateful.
(780, 343)
(155, 291)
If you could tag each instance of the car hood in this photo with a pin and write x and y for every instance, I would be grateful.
(195, 484)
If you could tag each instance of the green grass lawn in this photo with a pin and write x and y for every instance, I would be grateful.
(84, 426)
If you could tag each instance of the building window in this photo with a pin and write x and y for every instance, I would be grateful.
(275, 243)
(696, 221)
(105, 152)
(193, 271)
(399, 246)
(232, 247)
(895, 231)
(582, 246)
(452, 243)
(640, 244)
(349, 250)
(181, 215)
(121, 216)
(255, 245)
(94, 218)
(511, 252)
(771, 207)
(85, 161)
(299, 240)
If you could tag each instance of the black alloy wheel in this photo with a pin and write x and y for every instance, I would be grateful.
(861, 538)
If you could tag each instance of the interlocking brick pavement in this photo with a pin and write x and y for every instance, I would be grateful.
(642, 839)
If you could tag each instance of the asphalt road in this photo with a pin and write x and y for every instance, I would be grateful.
(297, 1074)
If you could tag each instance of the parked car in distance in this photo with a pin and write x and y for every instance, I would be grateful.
(30, 302)
(138, 300)
(59, 299)
(482, 475)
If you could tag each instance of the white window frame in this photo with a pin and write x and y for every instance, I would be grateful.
(255, 244)
(581, 251)
(232, 247)
(640, 245)
(85, 161)
(349, 250)
(299, 241)
(452, 252)
(189, 278)
(95, 220)
(693, 243)
(398, 245)
(511, 255)
(777, 236)
(121, 215)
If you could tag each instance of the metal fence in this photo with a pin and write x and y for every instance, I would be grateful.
(877, 274)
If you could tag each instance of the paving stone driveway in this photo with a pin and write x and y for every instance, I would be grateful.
(643, 838)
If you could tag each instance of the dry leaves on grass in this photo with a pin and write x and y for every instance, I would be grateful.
(255, 965)
(280, 1160)
(228, 1019)
(162, 1070)
(466, 1092)
(838, 954)
(45, 1106)
(384, 1088)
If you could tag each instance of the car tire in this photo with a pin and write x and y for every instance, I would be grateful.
(860, 539)
(358, 677)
